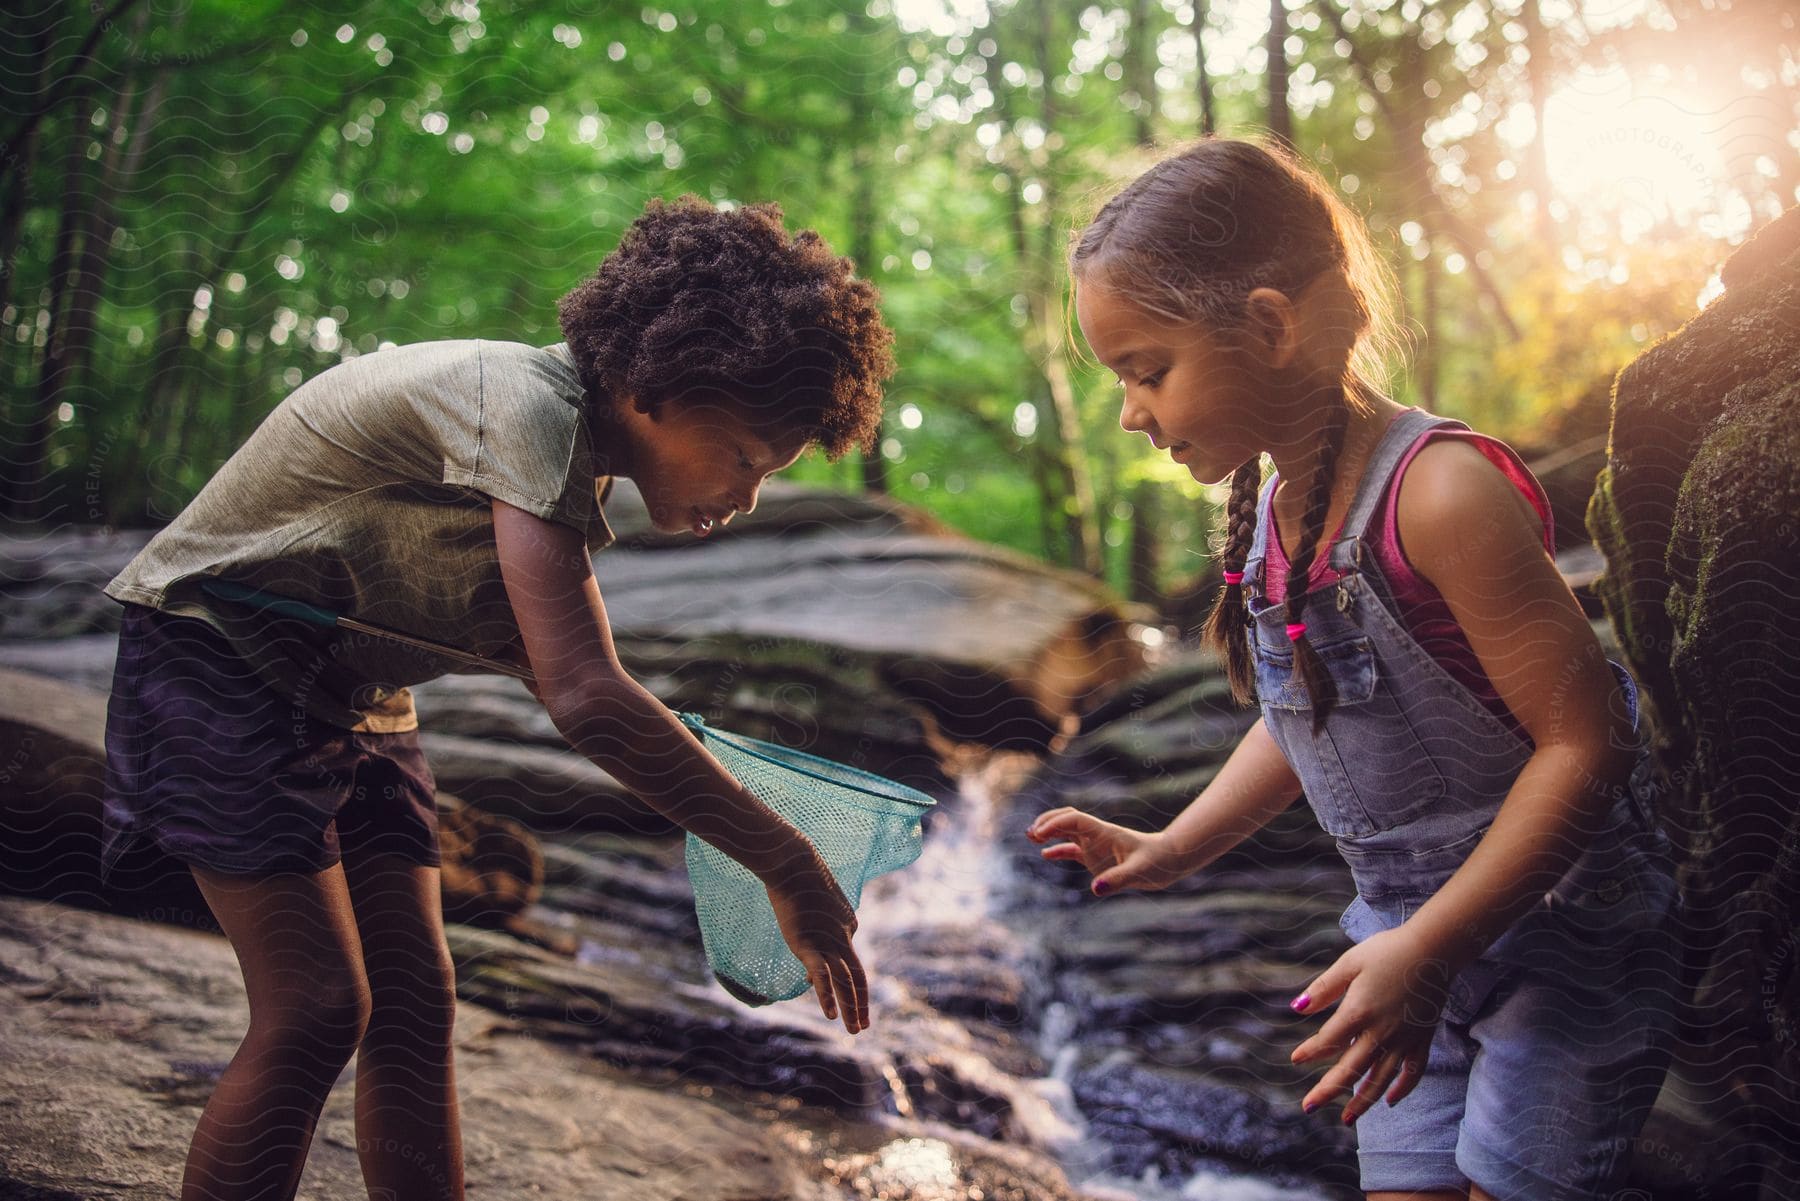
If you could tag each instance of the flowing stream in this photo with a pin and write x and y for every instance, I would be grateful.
(987, 1007)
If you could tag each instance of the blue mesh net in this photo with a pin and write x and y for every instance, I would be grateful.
(862, 824)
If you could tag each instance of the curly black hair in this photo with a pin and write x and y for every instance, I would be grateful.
(702, 301)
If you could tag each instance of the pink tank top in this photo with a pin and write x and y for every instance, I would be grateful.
(1420, 607)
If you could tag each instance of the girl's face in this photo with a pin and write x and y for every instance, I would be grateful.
(699, 464)
(1194, 394)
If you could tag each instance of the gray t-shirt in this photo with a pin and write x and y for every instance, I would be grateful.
(367, 491)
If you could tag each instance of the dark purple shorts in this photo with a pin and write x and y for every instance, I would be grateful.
(205, 763)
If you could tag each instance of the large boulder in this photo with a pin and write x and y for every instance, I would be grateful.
(1698, 515)
(998, 647)
(856, 627)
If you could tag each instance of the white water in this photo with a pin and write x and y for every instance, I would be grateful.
(958, 883)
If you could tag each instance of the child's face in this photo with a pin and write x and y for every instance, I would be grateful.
(1192, 393)
(698, 465)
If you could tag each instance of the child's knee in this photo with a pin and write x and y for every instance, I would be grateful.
(421, 1011)
(324, 1026)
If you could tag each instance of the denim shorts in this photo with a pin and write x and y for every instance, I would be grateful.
(1539, 1086)
(207, 765)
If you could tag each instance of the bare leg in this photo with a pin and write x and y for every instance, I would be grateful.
(298, 948)
(408, 1135)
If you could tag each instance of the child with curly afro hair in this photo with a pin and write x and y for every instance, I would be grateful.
(451, 492)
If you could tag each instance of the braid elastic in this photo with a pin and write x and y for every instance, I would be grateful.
(1228, 627)
(1309, 669)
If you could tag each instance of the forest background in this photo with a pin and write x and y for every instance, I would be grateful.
(205, 202)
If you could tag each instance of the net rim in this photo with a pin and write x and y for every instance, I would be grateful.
(750, 746)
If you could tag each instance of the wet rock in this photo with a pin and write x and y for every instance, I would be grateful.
(1194, 930)
(1179, 1122)
(636, 1020)
(51, 581)
(961, 972)
(634, 883)
(117, 1031)
(822, 699)
(485, 706)
(549, 791)
(85, 660)
(997, 646)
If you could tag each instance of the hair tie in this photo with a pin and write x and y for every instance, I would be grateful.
(1295, 629)
(1234, 578)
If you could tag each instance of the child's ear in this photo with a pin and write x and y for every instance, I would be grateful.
(1271, 326)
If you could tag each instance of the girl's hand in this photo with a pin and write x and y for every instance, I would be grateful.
(1118, 858)
(1390, 996)
(817, 921)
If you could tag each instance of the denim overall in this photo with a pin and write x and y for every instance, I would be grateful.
(1410, 768)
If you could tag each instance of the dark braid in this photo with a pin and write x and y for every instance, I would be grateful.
(1228, 627)
(1308, 667)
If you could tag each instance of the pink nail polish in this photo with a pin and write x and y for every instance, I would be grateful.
(1299, 1003)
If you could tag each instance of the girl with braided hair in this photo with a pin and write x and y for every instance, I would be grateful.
(1426, 680)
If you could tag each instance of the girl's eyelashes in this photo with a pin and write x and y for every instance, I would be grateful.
(1144, 381)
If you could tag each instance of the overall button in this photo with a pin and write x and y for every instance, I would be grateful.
(1610, 890)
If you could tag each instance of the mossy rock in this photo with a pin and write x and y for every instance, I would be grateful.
(1698, 516)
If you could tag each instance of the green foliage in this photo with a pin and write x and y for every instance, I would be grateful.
(273, 188)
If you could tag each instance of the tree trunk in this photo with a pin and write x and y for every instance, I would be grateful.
(1063, 483)
(75, 305)
(1537, 72)
(1140, 67)
(1407, 118)
(75, 82)
(23, 501)
(1202, 81)
(1281, 117)
(1045, 299)
(862, 233)
(1144, 570)
(18, 181)
(1427, 371)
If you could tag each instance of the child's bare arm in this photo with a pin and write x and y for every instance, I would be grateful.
(612, 720)
(1250, 789)
(1470, 532)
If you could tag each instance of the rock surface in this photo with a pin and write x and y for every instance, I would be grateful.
(817, 607)
(1696, 514)
(115, 1031)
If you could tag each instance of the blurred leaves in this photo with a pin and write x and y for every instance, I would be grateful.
(315, 182)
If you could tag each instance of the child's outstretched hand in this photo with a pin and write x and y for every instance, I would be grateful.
(1119, 858)
(817, 921)
(1390, 996)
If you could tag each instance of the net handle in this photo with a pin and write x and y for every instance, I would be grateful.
(698, 725)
